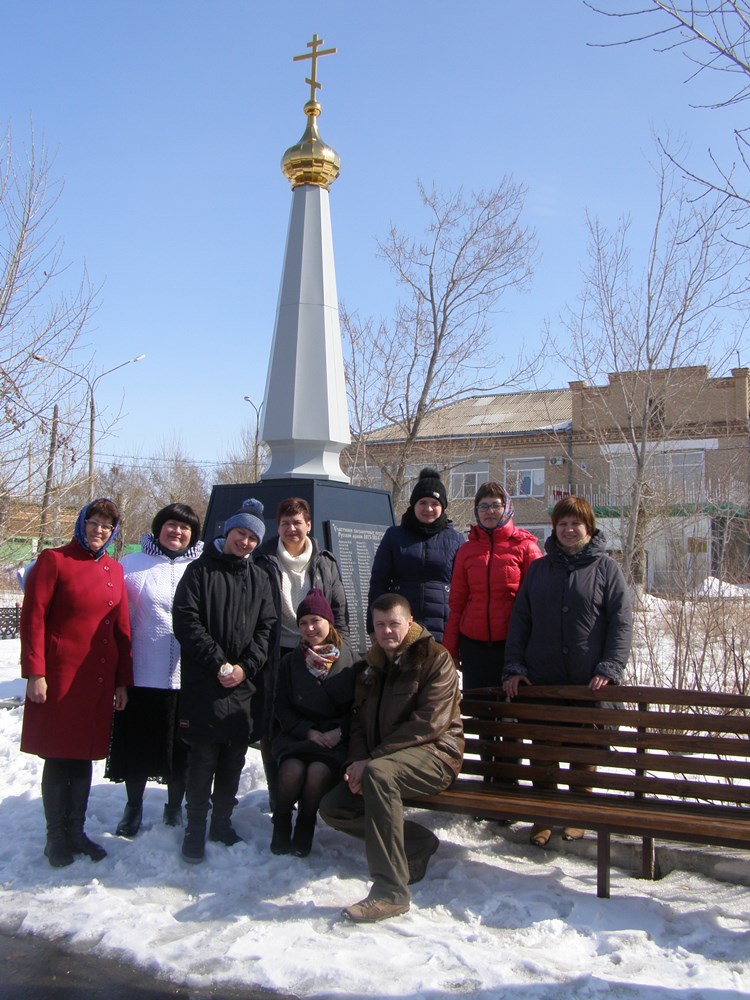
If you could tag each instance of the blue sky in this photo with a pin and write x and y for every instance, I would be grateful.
(167, 120)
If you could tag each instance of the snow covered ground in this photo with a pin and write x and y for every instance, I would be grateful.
(492, 919)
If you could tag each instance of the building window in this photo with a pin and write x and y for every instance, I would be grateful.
(466, 480)
(524, 477)
(678, 475)
(541, 531)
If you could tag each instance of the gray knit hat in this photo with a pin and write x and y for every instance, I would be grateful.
(249, 516)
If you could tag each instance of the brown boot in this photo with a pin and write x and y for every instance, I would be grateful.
(367, 911)
(539, 834)
(572, 833)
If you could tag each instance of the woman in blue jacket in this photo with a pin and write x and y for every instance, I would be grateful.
(415, 558)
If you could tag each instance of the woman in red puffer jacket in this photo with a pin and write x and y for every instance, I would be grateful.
(487, 574)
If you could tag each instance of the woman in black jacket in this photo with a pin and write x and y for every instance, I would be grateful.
(314, 693)
(572, 621)
(295, 564)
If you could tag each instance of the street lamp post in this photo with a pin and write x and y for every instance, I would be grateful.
(256, 441)
(91, 383)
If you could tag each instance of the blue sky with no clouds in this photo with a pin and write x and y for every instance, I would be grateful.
(167, 120)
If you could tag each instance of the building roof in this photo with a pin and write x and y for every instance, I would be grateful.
(497, 415)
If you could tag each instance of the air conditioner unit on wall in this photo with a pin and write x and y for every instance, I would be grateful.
(556, 460)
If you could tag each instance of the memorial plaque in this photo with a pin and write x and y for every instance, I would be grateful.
(348, 520)
(354, 546)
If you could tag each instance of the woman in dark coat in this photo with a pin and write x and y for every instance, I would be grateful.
(415, 558)
(295, 564)
(75, 652)
(314, 693)
(572, 621)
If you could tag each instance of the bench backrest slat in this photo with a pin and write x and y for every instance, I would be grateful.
(605, 718)
(618, 782)
(733, 746)
(610, 693)
(674, 763)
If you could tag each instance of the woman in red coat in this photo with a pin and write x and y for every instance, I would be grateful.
(487, 573)
(75, 652)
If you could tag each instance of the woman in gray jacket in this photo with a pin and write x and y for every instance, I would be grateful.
(572, 621)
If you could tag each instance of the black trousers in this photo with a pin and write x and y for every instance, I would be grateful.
(481, 662)
(213, 777)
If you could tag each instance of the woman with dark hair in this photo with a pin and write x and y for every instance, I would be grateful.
(572, 622)
(314, 693)
(415, 558)
(295, 564)
(75, 653)
(487, 574)
(145, 742)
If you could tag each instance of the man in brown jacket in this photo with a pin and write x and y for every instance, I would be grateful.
(406, 740)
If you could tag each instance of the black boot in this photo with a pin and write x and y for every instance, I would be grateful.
(173, 805)
(222, 831)
(304, 831)
(172, 815)
(194, 842)
(78, 842)
(55, 801)
(131, 820)
(281, 842)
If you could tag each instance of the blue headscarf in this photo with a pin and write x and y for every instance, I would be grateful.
(79, 532)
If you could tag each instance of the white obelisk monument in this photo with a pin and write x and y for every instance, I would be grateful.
(305, 417)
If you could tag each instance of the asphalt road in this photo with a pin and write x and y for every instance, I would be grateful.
(34, 969)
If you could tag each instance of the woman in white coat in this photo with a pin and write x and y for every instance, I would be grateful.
(145, 745)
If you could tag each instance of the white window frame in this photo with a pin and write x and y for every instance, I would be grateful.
(466, 478)
(542, 532)
(529, 466)
(679, 469)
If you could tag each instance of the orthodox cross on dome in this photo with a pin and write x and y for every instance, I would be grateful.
(316, 53)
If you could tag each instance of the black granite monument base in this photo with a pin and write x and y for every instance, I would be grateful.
(348, 520)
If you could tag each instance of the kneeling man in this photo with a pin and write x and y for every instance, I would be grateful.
(406, 740)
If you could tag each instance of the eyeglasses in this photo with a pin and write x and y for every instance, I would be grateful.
(485, 508)
(106, 529)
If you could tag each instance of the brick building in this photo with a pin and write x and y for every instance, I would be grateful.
(681, 434)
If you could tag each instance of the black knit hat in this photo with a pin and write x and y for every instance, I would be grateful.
(431, 485)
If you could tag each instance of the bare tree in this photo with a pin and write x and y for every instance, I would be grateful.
(39, 314)
(646, 328)
(245, 460)
(435, 349)
(714, 36)
(143, 487)
(364, 390)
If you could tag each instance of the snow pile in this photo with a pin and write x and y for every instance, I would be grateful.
(713, 587)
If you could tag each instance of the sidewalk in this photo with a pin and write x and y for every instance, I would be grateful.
(34, 969)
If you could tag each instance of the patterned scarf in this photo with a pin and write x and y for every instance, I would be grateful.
(320, 659)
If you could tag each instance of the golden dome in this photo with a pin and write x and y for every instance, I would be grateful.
(311, 161)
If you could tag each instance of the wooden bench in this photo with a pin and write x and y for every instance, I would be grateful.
(676, 765)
